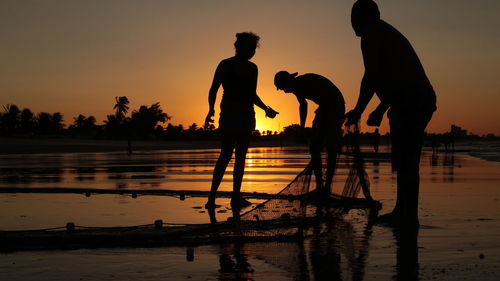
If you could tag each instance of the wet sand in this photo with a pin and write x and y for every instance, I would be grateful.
(458, 239)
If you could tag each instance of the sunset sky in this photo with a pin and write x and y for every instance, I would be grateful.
(76, 56)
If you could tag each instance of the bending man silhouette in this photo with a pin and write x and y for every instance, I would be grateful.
(327, 122)
(393, 71)
(238, 77)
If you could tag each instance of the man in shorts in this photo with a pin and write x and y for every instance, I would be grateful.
(393, 71)
(327, 122)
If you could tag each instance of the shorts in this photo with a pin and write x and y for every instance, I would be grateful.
(237, 120)
(407, 124)
(327, 124)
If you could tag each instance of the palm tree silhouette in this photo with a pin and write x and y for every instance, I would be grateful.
(145, 120)
(121, 107)
(28, 122)
(11, 118)
(57, 122)
(44, 121)
(79, 121)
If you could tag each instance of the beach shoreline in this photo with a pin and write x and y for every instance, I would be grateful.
(10, 145)
(13, 145)
(457, 240)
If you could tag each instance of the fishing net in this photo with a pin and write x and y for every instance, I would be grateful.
(293, 200)
(357, 178)
(290, 214)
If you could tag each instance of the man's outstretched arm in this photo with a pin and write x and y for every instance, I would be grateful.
(376, 116)
(212, 95)
(258, 102)
(302, 112)
(366, 93)
(271, 113)
(370, 50)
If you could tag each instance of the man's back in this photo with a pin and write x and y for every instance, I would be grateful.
(239, 79)
(318, 89)
(393, 63)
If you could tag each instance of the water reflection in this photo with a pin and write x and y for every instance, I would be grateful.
(374, 175)
(407, 266)
(268, 169)
(324, 254)
(165, 169)
(233, 262)
(333, 249)
(443, 166)
(449, 168)
(85, 173)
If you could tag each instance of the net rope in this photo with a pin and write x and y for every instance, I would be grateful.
(282, 208)
(288, 214)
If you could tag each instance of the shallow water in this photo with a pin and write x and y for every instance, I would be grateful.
(460, 217)
(267, 169)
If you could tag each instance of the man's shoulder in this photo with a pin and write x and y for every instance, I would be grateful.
(223, 63)
(381, 30)
(314, 78)
(226, 61)
(316, 83)
(253, 65)
(310, 76)
(234, 60)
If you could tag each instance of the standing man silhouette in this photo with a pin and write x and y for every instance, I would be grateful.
(238, 77)
(326, 124)
(393, 71)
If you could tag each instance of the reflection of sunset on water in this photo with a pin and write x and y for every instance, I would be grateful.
(459, 205)
(268, 170)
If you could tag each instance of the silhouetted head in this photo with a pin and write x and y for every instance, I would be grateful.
(245, 44)
(284, 81)
(363, 14)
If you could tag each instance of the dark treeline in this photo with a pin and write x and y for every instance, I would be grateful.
(151, 122)
(147, 122)
(15, 122)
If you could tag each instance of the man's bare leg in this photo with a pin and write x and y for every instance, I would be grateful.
(226, 152)
(239, 169)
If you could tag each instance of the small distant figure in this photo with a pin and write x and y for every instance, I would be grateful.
(238, 77)
(435, 144)
(393, 71)
(448, 143)
(376, 140)
(326, 124)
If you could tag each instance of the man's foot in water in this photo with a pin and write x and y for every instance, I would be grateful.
(317, 194)
(240, 202)
(395, 220)
(386, 218)
(211, 205)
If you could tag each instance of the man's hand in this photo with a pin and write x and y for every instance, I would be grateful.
(352, 117)
(375, 118)
(271, 113)
(209, 119)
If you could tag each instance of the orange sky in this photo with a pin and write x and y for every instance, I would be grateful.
(76, 56)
